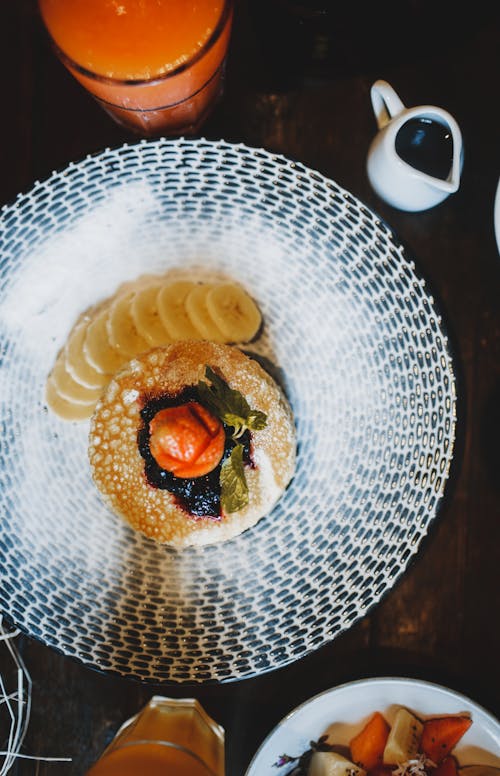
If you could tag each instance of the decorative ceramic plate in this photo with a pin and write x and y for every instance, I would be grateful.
(351, 332)
(342, 712)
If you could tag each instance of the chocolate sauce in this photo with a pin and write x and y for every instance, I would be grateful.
(427, 146)
(199, 496)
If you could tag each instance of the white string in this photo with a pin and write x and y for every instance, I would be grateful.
(39, 759)
(18, 707)
(10, 635)
(8, 698)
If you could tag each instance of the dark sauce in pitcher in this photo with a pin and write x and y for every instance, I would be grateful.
(426, 145)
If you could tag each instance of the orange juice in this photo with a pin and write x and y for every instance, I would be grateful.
(155, 65)
(169, 737)
(149, 760)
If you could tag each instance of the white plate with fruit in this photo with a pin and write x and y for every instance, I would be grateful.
(376, 727)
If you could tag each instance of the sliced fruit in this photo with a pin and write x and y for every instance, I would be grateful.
(66, 409)
(130, 286)
(367, 748)
(68, 388)
(76, 361)
(145, 314)
(171, 301)
(97, 348)
(122, 331)
(448, 767)
(441, 734)
(234, 312)
(332, 764)
(197, 310)
(404, 738)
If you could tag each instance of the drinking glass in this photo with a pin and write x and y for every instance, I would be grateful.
(155, 66)
(169, 737)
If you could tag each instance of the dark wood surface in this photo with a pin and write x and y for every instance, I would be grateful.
(441, 622)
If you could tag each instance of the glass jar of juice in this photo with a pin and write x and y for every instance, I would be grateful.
(169, 737)
(156, 66)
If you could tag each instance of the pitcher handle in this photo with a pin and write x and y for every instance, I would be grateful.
(386, 103)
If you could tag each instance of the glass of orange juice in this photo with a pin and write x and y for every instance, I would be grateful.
(169, 737)
(156, 66)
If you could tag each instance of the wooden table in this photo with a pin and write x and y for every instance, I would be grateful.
(441, 621)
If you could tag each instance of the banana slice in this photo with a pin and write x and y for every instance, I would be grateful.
(171, 307)
(70, 389)
(122, 331)
(332, 764)
(68, 410)
(97, 348)
(75, 360)
(197, 310)
(145, 314)
(404, 738)
(234, 312)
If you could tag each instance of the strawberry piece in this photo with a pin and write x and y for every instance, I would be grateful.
(441, 734)
(367, 748)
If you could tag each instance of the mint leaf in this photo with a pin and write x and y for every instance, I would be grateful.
(229, 405)
(236, 422)
(256, 420)
(234, 488)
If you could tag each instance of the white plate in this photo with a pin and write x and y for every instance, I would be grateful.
(342, 712)
(351, 331)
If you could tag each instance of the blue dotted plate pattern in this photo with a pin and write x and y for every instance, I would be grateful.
(352, 334)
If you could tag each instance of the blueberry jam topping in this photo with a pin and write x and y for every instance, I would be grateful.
(199, 496)
(426, 145)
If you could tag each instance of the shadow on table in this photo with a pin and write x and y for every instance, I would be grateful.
(319, 37)
(490, 436)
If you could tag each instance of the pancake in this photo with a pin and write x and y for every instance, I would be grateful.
(118, 467)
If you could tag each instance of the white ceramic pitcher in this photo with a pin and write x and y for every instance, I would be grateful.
(394, 179)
